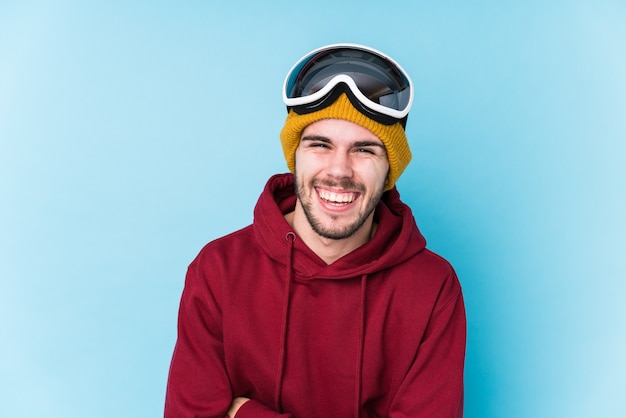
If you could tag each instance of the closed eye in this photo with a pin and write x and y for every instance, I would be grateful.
(373, 148)
(319, 144)
(316, 141)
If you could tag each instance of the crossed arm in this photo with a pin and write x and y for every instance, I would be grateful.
(234, 407)
(201, 384)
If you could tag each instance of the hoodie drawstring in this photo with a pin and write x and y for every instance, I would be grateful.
(291, 238)
(361, 345)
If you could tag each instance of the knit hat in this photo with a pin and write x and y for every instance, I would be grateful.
(392, 136)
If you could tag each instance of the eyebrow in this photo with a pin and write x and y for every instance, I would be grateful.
(356, 144)
(316, 138)
(368, 144)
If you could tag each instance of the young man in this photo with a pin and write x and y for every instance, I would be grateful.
(329, 304)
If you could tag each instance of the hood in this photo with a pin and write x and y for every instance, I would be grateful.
(397, 237)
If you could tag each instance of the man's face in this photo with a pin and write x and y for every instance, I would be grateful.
(341, 171)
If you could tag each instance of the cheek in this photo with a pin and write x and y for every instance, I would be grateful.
(307, 163)
(299, 162)
(378, 173)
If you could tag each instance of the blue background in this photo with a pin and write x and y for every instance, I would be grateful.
(132, 134)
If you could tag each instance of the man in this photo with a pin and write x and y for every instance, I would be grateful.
(329, 304)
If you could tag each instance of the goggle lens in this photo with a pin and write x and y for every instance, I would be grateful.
(377, 81)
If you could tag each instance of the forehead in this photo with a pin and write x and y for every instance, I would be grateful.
(340, 130)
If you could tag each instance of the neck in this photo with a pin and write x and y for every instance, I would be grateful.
(329, 250)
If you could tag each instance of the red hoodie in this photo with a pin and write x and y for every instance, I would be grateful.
(378, 333)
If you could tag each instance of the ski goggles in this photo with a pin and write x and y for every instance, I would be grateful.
(375, 84)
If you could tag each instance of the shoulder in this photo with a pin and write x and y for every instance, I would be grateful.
(228, 246)
(217, 260)
(430, 276)
(449, 284)
(427, 265)
(434, 263)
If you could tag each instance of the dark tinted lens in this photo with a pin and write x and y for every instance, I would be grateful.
(377, 78)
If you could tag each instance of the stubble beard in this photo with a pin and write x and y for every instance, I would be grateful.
(333, 231)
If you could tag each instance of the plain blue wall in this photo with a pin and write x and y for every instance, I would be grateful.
(130, 135)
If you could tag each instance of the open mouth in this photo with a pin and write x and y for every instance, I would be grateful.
(336, 198)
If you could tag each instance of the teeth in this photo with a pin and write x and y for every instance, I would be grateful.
(337, 197)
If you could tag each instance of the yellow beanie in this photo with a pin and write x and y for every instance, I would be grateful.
(393, 136)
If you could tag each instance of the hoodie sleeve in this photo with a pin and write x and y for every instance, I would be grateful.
(198, 383)
(433, 386)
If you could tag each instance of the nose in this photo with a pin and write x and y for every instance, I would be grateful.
(339, 165)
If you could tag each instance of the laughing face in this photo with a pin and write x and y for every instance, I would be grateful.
(341, 171)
